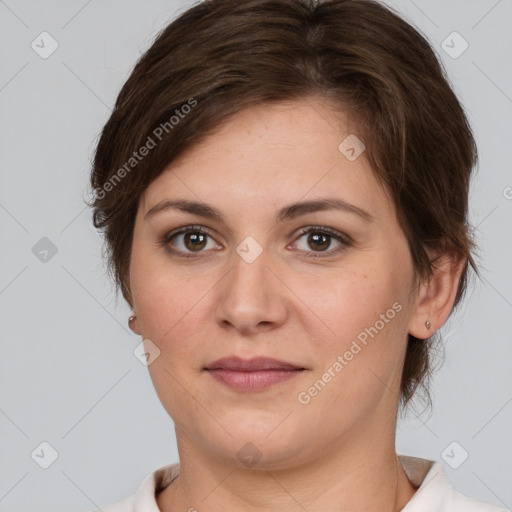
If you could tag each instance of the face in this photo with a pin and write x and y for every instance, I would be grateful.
(278, 273)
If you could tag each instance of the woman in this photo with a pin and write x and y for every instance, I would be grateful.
(283, 189)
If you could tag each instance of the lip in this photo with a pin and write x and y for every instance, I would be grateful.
(251, 365)
(252, 375)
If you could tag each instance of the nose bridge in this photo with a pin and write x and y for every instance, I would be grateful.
(251, 292)
(250, 268)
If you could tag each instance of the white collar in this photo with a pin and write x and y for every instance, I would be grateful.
(434, 493)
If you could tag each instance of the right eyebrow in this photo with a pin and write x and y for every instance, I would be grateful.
(288, 212)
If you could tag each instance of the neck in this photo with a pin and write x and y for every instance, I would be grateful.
(352, 476)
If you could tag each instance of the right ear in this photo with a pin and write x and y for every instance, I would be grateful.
(133, 324)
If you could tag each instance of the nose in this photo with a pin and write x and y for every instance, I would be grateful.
(251, 297)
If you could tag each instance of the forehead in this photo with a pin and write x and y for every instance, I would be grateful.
(270, 155)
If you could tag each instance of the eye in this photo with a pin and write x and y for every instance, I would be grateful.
(187, 240)
(320, 238)
(190, 241)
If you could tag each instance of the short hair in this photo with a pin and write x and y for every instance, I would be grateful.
(222, 56)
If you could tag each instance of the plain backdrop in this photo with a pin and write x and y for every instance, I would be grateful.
(73, 396)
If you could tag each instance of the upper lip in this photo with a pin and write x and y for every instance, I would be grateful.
(253, 364)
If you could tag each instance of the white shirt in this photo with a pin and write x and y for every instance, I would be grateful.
(435, 493)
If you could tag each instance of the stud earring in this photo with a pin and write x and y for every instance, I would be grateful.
(427, 324)
(131, 319)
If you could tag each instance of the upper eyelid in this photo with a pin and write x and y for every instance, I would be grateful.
(324, 229)
(342, 237)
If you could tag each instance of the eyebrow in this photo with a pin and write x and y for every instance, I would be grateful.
(288, 212)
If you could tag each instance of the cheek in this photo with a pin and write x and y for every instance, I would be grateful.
(366, 312)
(166, 297)
(353, 300)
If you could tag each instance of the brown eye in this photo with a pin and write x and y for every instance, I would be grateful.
(195, 241)
(187, 241)
(320, 240)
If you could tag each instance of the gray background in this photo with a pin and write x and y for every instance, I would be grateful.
(68, 373)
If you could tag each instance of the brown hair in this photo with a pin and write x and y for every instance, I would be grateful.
(222, 56)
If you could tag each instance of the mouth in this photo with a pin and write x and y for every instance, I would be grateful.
(250, 375)
(251, 365)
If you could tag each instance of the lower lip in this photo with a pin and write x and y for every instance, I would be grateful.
(254, 380)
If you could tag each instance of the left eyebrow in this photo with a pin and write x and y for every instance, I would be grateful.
(288, 212)
(295, 210)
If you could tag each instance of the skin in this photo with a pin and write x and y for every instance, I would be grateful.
(336, 452)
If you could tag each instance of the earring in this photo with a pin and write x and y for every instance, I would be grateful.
(427, 324)
(131, 319)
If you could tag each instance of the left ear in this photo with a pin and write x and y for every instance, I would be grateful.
(437, 294)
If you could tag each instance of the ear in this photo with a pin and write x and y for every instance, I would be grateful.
(134, 325)
(127, 293)
(437, 294)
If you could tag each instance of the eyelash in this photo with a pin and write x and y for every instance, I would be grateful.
(344, 240)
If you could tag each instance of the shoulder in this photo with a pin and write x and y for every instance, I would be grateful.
(434, 491)
(457, 501)
(144, 500)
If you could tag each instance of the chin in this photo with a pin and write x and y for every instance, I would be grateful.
(261, 446)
